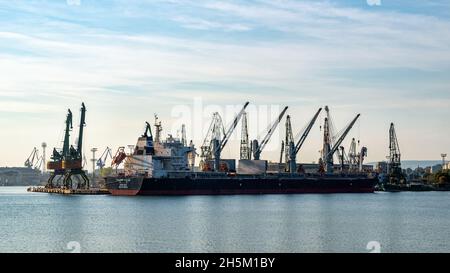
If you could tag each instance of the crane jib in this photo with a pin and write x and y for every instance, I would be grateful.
(344, 135)
(232, 127)
(271, 131)
(307, 131)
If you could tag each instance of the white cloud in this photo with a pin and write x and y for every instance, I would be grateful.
(374, 2)
(73, 2)
(202, 24)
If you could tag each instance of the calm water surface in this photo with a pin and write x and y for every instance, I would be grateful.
(401, 222)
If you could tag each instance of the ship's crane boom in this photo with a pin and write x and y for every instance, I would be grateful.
(218, 145)
(337, 144)
(215, 131)
(258, 147)
(148, 130)
(306, 133)
(230, 130)
(344, 135)
(292, 150)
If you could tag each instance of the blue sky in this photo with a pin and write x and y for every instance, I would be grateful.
(130, 59)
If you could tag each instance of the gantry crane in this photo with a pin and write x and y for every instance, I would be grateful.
(328, 149)
(258, 146)
(294, 149)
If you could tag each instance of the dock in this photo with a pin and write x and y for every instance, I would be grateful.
(63, 191)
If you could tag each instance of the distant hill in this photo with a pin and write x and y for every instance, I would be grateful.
(416, 163)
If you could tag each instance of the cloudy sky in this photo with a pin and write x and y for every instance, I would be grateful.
(126, 59)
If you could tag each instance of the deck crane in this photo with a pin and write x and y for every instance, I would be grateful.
(352, 156)
(332, 132)
(101, 162)
(30, 162)
(216, 131)
(119, 157)
(282, 153)
(148, 136)
(245, 145)
(258, 147)
(343, 158)
(362, 156)
(289, 137)
(294, 149)
(354, 159)
(218, 145)
(329, 151)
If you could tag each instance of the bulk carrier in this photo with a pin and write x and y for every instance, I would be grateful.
(167, 167)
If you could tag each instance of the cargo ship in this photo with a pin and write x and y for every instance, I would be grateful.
(167, 167)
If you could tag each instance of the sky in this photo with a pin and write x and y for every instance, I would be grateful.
(130, 59)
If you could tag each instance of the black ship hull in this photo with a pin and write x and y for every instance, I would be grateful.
(136, 185)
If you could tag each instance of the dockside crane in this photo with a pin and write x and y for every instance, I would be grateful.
(55, 165)
(73, 164)
(218, 145)
(395, 168)
(328, 150)
(294, 149)
(101, 162)
(258, 146)
(68, 162)
(39, 163)
(30, 162)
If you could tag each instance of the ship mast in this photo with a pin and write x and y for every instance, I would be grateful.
(158, 127)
